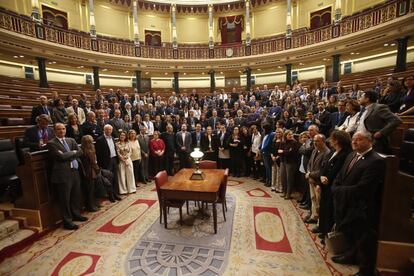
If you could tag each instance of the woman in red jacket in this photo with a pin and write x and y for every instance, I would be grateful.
(157, 149)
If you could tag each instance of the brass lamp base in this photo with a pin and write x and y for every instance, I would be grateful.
(197, 175)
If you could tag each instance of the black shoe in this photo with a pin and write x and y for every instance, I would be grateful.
(92, 209)
(308, 216)
(80, 218)
(316, 230)
(323, 241)
(117, 197)
(311, 221)
(343, 259)
(70, 226)
(321, 236)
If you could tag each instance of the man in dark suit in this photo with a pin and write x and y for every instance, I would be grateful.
(143, 140)
(37, 137)
(356, 194)
(214, 119)
(65, 153)
(323, 119)
(317, 161)
(183, 141)
(42, 108)
(239, 121)
(338, 118)
(378, 120)
(169, 140)
(107, 159)
(196, 137)
(117, 123)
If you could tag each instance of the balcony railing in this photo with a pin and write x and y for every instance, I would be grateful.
(390, 10)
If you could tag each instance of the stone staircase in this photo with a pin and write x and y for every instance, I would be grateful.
(14, 233)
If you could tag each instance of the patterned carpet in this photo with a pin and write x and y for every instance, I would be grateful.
(263, 235)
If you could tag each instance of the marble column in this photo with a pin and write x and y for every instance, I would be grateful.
(212, 80)
(248, 71)
(138, 80)
(176, 84)
(96, 84)
(401, 63)
(288, 73)
(41, 65)
(336, 67)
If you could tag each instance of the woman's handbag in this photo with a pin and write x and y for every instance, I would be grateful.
(335, 241)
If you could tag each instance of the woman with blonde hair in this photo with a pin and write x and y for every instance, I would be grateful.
(126, 179)
(135, 155)
(277, 144)
(90, 172)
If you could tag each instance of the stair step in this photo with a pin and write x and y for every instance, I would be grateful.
(16, 237)
(7, 227)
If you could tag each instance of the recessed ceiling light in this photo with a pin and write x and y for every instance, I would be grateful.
(184, 73)
(385, 44)
(352, 53)
(240, 71)
(279, 67)
(300, 63)
(127, 71)
(146, 73)
(202, 73)
(16, 56)
(80, 66)
(22, 56)
(104, 69)
(259, 69)
(53, 62)
(165, 73)
(221, 73)
(153, 5)
(356, 53)
(392, 44)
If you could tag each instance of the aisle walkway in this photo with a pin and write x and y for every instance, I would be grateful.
(263, 235)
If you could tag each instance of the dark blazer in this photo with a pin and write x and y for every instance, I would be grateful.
(338, 119)
(179, 141)
(38, 110)
(357, 193)
(143, 141)
(325, 121)
(205, 143)
(211, 122)
(61, 170)
(316, 163)
(31, 137)
(380, 118)
(70, 132)
(92, 129)
(266, 146)
(194, 138)
(103, 153)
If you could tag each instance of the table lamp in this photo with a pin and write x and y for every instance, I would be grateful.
(197, 154)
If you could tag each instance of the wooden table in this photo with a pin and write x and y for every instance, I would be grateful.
(181, 187)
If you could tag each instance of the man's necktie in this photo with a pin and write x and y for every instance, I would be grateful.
(74, 162)
(45, 110)
(352, 163)
(45, 136)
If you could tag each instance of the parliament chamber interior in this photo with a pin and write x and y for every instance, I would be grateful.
(207, 137)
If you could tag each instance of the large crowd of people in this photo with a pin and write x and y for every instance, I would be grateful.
(322, 143)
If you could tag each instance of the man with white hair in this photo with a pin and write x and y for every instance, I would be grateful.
(77, 110)
(357, 194)
(107, 158)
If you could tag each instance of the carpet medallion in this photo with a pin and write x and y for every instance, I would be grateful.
(188, 249)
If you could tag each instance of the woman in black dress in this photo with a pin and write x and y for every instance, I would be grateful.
(340, 141)
(236, 152)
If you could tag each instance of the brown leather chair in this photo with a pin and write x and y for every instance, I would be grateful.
(208, 164)
(160, 179)
(222, 193)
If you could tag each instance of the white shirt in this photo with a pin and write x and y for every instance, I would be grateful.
(350, 123)
(361, 125)
(111, 146)
(256, 139)
(150, 127)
